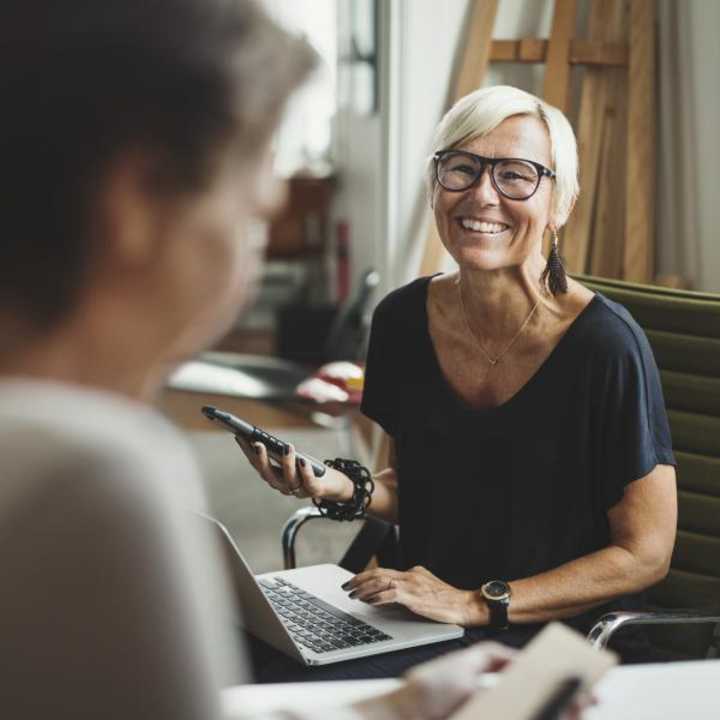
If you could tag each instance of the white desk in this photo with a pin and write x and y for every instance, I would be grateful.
(666, 691)
(661, 691)
(244, 700)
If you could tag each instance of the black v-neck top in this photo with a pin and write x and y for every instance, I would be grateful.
(512, 491)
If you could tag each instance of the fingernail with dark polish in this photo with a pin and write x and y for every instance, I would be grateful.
(286, 451)
(346, 585)
(302, 462)
(353, 594)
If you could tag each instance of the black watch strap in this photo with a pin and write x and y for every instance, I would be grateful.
(497, 596)
(498, 613)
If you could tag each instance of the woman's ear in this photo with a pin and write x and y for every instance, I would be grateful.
(127, 214)
(557, 221)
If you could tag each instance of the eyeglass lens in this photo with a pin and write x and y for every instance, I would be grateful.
(516, 179)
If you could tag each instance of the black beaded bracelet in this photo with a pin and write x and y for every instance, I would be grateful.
(362, 494)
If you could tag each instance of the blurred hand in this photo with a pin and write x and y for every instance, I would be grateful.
(291, 477)
(436, 689)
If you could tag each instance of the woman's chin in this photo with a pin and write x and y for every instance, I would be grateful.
(482, 259)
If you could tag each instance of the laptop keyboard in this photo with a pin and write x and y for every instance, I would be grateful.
(315, 624)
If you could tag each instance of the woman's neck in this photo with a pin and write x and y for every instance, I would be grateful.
(71, 354)
(499, 301)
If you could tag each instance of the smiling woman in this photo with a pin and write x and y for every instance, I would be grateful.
(531, 468)
(530, 440)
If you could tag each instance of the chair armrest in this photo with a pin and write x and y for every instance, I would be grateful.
(600, 634)
(290, 531)
(376, 538)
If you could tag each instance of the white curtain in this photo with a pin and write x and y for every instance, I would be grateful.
(689, 142)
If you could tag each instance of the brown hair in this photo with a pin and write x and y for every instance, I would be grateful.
(82, 80)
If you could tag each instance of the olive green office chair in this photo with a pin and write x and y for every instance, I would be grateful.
(684, 331)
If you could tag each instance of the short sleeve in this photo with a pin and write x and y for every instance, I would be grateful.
(632, 433)
(379, 401)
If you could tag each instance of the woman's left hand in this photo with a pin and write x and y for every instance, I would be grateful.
(418, 590)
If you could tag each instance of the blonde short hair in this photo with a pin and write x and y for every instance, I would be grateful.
(483, 110)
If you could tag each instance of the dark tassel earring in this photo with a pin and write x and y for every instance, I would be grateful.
(554, 277)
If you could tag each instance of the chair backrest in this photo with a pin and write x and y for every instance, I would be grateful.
(348, 335)
(684, 331)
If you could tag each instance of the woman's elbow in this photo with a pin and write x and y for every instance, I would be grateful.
(663, 565)
(652, 563)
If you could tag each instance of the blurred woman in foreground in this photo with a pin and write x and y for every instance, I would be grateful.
(134, 140)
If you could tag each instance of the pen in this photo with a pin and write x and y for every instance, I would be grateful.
(559, 700)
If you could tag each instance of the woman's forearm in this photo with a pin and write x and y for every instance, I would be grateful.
(576, 586)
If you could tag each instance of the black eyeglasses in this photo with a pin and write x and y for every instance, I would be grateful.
(514, 178)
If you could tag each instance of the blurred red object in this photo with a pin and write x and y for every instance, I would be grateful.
(334, 382)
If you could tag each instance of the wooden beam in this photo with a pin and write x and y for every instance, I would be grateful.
(604, 54)
(557, 68)
(469, 77)
(609, 232)
(607, 22)
(582, 52)
(556, 85)
(640, 205)
(578, 231)
(478, 41)
(508, 51)
(609, 220)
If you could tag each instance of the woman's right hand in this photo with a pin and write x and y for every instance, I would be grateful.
(296, 478)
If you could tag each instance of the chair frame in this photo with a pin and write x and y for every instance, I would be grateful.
(601, 633)
(290, 530)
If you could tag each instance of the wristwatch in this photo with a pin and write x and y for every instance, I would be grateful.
(497, 596)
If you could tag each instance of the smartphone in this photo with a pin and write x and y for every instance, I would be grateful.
(252, 434)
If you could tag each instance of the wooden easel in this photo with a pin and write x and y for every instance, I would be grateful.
(611, 232)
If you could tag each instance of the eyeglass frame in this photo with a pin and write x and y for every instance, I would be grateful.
(491, 162)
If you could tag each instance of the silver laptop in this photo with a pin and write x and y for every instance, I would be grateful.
(305, 614)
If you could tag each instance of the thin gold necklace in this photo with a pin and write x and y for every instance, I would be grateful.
(494, 360)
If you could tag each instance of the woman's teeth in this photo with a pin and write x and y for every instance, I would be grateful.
(483, 227)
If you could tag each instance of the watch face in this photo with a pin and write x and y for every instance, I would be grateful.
(496, 589)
